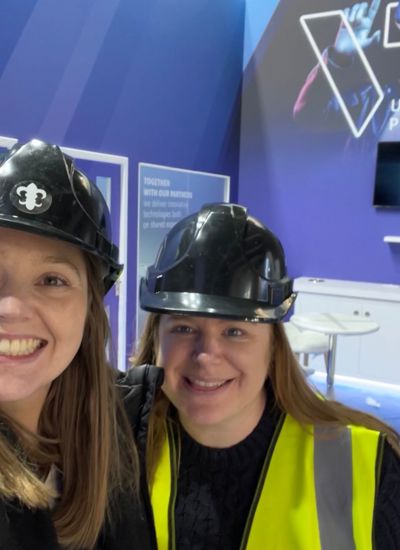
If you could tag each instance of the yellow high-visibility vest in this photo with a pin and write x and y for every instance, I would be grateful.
(316, 490)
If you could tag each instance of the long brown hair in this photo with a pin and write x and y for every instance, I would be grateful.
(292, 392)
(83, 430)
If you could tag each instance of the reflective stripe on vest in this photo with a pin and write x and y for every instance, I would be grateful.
(316, 490)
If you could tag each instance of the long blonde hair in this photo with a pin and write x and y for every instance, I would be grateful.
(83, 431)
(292, 392)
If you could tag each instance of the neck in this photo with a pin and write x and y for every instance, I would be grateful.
(228, 432)
(26, 411)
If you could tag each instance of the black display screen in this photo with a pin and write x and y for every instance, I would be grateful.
(387, 176)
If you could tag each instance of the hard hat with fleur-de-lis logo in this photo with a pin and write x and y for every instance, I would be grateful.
(42, 192)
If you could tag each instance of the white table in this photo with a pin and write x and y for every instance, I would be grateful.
(334, 324)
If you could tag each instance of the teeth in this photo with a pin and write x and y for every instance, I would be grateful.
(204, 384)
(25, 346)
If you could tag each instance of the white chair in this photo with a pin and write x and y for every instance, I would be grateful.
(305, 343)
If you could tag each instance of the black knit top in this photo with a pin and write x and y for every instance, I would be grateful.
(216, 487)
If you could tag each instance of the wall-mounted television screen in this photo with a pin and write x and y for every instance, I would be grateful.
(387, 175)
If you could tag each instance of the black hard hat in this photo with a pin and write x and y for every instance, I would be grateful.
(42, 192)
(219, 262)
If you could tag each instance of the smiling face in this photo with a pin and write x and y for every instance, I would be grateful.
(43, 307)
(215, 371)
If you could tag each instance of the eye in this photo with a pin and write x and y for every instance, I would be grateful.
(53, 280)
(182, 329)
(234, 332)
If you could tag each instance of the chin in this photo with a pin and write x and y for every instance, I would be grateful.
(14, 396)
(203, 418)
(19, 391)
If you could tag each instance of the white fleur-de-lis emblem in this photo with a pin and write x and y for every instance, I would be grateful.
(31, 196)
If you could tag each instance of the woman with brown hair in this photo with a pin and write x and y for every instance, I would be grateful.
(241, 452)
(67, 459)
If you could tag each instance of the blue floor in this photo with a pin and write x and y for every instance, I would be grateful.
(381, 401)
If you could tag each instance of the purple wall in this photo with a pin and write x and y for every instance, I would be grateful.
(307, 177)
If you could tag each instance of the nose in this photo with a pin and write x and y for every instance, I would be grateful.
(207, 349)
(13, 308)
(14, 303)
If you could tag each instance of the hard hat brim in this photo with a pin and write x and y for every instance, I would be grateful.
(192, 303)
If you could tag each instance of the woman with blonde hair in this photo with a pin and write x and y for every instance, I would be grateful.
(67, 458)
(242, 453)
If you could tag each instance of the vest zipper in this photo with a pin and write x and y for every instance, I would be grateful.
(260, 483)
(175, 445)
(378, 467)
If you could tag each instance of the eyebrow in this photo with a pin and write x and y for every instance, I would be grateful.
(178, 316)
(62, 260)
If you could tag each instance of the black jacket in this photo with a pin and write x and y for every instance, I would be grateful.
(135, 528)
(25, 529)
